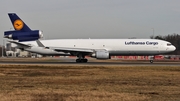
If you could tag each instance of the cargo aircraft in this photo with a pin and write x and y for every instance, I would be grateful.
(28, 40)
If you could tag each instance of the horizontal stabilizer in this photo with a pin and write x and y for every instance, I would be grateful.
(20, 44)
(39, 43)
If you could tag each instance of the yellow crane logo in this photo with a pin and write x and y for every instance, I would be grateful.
(18, 24)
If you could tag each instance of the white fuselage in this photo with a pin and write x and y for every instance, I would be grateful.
(113, 46)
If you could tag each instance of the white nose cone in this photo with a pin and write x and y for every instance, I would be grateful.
(173, 48)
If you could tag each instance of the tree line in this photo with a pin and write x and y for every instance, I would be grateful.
(173, 38)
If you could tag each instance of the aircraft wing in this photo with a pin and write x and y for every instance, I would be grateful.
(66, 49)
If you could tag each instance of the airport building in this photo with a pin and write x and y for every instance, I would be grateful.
(11, 51)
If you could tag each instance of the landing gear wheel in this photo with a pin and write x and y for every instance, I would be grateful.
(85, 60)
(78, 60)
(81, 60)
(151, 61)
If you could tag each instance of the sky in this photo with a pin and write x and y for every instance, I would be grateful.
(79, 19)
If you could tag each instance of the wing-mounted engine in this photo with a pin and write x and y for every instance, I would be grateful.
(23, 36)
(101, 54)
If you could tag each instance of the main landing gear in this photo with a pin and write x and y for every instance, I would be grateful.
(81, 59)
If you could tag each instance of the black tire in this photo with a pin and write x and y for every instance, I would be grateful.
(77, 60)
(85, 60)
(151, 61)
(81, 60)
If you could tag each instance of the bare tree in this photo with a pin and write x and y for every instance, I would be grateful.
(173, 38)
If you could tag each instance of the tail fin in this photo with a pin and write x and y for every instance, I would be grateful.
(17, 23)
(22, 32)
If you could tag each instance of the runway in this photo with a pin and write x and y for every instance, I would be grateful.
(91, 62)
(134, 63)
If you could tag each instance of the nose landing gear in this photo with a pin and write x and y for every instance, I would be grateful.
(151, 59)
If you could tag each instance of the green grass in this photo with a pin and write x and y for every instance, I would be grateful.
(89, 83)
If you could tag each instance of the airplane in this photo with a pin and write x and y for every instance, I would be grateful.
(96, 48)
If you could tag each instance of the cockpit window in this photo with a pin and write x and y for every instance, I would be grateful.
(169, 44)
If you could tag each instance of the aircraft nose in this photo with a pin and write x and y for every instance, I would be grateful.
(173, 48)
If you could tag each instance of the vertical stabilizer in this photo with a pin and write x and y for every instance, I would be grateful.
(22, 32)
(17, 23)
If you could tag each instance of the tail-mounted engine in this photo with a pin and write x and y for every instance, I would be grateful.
(23, 36)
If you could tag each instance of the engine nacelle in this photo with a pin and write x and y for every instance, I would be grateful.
(23, 36)
(101, 54)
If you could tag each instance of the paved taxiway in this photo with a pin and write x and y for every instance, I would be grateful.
(92, 62)
(99, 63)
